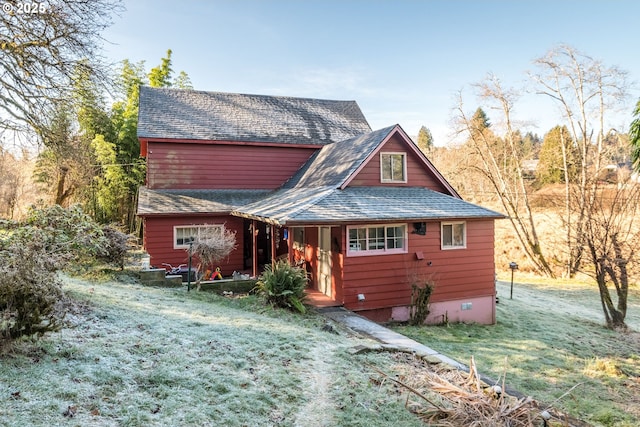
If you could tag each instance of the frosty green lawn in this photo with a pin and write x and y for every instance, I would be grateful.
(552, 338)
(140, 356)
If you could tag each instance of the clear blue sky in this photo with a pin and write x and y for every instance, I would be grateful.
(402, 61)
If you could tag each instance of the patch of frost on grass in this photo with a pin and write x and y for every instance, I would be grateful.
(140, 356)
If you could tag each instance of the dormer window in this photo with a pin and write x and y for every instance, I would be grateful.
(393, 167)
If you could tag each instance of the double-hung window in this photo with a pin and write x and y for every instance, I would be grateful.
(393, 167)
(454, 235)
(185, 234)
(377, 239)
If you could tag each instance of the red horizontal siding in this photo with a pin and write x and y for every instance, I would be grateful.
(417, 174)
(200, 166)
(385, 280)
(158, 240)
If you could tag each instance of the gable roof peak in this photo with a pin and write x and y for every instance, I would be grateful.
(335, 163)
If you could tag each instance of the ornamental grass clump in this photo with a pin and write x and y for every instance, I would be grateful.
(283, 285)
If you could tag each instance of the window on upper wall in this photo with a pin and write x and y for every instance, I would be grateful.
(377, 239)
(454, 235)
(393, 167)
(183, 235)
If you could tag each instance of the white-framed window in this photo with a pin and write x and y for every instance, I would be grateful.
(185, 234)
(393, 167)
(454, 235)
(377, 239)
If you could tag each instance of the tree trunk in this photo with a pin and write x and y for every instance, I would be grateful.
(614, 315)
(61, 194)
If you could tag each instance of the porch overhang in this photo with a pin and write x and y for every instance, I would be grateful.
(331, 206)
(266, 220)
(170, 202)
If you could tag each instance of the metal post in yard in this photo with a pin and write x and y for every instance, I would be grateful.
(513, 266)
(189, 268)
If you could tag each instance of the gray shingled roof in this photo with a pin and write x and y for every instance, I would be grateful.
(153, 202)
(283, 204)
(198, 115)
(335, 163)
(360, 204)
(313, 194)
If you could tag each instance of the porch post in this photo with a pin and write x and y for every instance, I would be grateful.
(273, 244)
(254, 256)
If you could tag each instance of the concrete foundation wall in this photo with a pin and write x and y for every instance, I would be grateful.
(469, 310)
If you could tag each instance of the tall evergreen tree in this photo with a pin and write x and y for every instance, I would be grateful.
(123, 170)
(480, 120)
(425, 140)
(160, 76)
(182, 81)
(531, 144)
(92, 153)
(551, 165)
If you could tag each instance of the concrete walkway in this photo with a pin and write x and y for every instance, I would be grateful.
(386, 336)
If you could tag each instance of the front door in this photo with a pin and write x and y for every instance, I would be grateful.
(324, 260)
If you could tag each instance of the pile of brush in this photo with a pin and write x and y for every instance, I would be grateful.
(444, 396)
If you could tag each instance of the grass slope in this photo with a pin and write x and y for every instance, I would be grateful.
(139, 356)
(548, 339)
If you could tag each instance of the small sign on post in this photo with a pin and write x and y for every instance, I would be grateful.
(513, 266)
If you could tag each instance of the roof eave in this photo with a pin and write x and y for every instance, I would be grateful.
(267, 220)
(148, 139)
(292, 222)
(173, 214)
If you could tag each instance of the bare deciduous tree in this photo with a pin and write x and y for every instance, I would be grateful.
(39, 53)
(500, 162)
(612, 238)
(599, 217)
(64, 166)
(15, 184)
(586, 91)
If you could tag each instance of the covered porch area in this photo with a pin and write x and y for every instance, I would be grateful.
(315, 248)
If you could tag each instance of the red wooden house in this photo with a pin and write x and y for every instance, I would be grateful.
(364, 211)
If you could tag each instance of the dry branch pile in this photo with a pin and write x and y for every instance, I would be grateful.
(447, 397)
